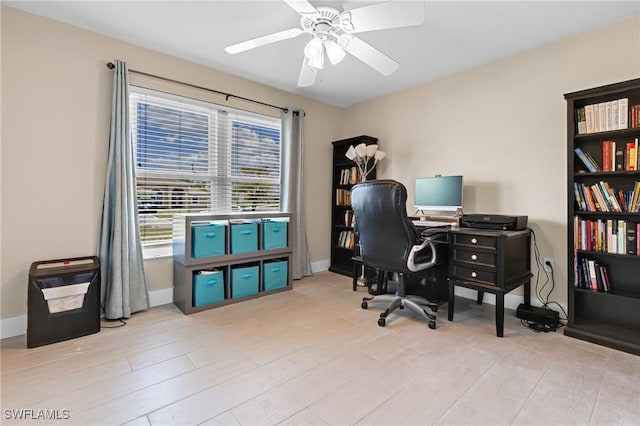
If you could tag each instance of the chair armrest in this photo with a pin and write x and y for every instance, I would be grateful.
(412, 265)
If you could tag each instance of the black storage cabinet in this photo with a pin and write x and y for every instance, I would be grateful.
(63, 300)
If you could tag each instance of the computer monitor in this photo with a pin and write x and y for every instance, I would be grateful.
(438, 193)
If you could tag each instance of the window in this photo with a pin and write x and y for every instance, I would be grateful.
(193, 156)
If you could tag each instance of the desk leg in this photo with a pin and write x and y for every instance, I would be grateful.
(355, 275)
(527, 292)
(480, 297)
(500, 314)
(450, 303)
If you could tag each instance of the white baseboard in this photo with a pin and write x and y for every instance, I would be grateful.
(15, 326)
(161, 297)
(320, 266)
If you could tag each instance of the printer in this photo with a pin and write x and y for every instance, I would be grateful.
(492, 221)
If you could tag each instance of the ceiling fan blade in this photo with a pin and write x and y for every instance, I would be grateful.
(307, 75)
(381, 16)
(261, 41)
(301, 6)
(368, 54)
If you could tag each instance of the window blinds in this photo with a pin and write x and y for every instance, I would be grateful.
(193, 156)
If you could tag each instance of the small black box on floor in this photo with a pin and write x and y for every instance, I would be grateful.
(63, 300)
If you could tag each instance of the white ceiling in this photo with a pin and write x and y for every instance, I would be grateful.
(455, 36)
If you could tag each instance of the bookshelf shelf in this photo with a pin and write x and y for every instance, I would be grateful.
(342, 181)
(603, 219)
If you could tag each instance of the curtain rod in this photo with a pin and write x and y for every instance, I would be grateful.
(111, 66)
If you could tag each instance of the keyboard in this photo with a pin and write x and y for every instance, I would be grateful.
(430, 224)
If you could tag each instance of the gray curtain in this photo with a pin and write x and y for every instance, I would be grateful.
(293, 190)
(123, 285)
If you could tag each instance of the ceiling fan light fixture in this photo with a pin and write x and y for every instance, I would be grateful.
(314, 49)
(316, 63)
(334, 52)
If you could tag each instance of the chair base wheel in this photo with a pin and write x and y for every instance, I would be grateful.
(382, 322)
(432, 325)
(364, 305)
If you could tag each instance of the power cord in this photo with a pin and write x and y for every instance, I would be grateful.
(542, 294)
(122, 322)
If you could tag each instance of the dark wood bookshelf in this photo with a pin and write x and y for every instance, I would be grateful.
(612, 318)
(341, 257)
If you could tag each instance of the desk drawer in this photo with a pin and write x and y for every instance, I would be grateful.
(469, 273)
(474, 256)
(482, 241)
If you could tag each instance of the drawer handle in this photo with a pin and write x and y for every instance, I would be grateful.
(276, 269)
(474, 257)
(211, 234)
(275, 230)
(212, 281)
(246, 276)
(247, 232)
(474, 241)
(474, 274)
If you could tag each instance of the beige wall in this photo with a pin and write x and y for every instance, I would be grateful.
(502, 126)
(56, 100)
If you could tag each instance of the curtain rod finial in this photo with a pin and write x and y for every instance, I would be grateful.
(110, 65)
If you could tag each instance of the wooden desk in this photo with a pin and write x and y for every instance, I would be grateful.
(496, 262)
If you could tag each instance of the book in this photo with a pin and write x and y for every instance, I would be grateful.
(602, 117)
(632, 247)
(622, 237)
(592, 275)
(607, 156)
(634, 198)
(582, 121)
(623, 106)
(620, 158)
(588, 163)
(631, 157)
(607, 281)
(580, 201)
(589, 117)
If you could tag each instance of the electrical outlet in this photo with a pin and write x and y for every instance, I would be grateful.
(548, 264)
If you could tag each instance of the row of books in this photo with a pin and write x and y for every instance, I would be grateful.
(343, 197)
(350, 176)
(346, 239)
(603, 116)
(591, 275)
(616, 156)
(600, 197)
(349, 219)
(606, 235)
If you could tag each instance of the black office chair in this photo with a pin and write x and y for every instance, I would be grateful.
(389, 242)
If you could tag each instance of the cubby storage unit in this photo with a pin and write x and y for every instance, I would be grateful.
(603, 252)
(220, 259)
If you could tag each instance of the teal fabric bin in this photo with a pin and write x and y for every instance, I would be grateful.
(274, 234)
(208, 287)
(244, 281)
(275, 274)
(207, 240)
(244, 237)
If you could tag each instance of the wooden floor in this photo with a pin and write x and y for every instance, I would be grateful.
(312, 356)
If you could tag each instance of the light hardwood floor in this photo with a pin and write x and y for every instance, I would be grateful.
(312, 356)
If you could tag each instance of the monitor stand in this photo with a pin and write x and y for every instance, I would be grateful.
(453, 219)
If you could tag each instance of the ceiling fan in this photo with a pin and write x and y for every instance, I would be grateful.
(333, 33)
